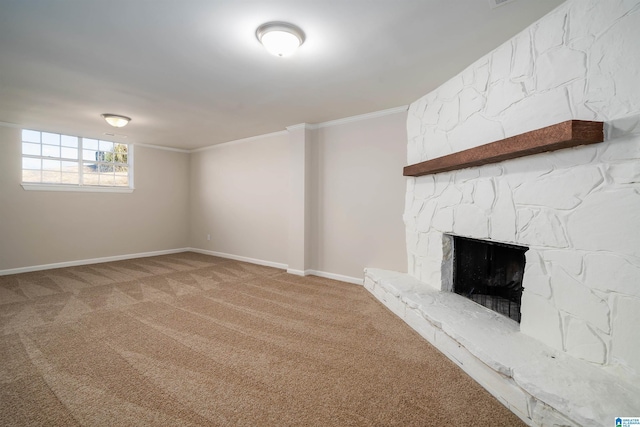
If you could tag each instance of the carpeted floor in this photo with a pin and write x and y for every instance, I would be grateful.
(189, 339)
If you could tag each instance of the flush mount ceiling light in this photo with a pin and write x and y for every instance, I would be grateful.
(116, 120)
(280, 38)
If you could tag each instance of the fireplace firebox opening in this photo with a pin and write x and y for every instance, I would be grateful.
(489, 273)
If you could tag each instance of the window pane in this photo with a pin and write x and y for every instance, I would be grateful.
(90, 144)
(28, 163)
(69, 141)
(50, 151)
(107, 179)
(31, 176)
(106, 146)
(49, 177)
(91, 179)
(89, 155)
(51, 165)
(70, 167)
(50, 138)
(69, 178)
(32, 149)
(69, 153)
(31, 136)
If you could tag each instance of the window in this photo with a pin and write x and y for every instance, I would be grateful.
(74, 163)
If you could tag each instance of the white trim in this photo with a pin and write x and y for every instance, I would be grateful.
(324, 274)
(90, 261)
(296, 272)
(240, 258)
(160, 147)
(311, 126)
(304, 126)
(360, 117)
(340, 277)
(238, 141)
(279, 265)
(10, 125)
(76, 188)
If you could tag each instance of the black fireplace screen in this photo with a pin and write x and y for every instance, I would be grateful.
(490, 274)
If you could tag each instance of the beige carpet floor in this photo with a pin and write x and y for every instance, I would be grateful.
(194, 340)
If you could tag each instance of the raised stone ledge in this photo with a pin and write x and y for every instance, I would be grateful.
(543, 386)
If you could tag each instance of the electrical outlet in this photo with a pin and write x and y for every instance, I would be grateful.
(208, 236)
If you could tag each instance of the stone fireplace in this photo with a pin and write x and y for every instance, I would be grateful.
(577, 210)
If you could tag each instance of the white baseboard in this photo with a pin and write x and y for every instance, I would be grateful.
(89, 261)
(240, 258)
(296, 272)
(340, 277)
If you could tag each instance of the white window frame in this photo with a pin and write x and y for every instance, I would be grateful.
(33, 186)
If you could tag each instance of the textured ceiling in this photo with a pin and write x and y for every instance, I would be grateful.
(191, 73)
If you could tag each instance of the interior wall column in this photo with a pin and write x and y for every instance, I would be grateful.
(300, 213)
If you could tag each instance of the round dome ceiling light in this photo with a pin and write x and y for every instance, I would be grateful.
(280, 38)
(116, 120)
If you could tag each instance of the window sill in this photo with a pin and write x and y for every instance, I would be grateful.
(76, 188)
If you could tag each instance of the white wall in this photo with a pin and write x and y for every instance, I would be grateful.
(577, 209)
(240, 196)
(349, 189)
(358, 194)
(38, 228)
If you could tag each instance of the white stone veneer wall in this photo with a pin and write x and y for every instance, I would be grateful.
(577, 209)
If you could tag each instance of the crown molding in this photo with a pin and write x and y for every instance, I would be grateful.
(239, 141)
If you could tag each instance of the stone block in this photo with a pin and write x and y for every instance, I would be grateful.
(541, 320)
(562, 190)
(503, 217)
(481, 75)
(537, 111)
(443, 220)
(522, 67)
(575, 298)
(450, 197)
(610, 56)
(502, 95)
(612, 273)
(622, 148)
(583, 342)
(526, 169)
(624, 173)
(449, 115)
(471, 221)
(626, 333)
(543, 415)
(420, 325)
(549, 32)
(423, 220)
(464, 175)
(536, 278)
(471, 102)
(569, 260)
(544, 229)
(500, 63)
(424, 187)
(575, 156)
(484, 194)
(414, 126)
(560, 66)
(607, 221)
(477, 130)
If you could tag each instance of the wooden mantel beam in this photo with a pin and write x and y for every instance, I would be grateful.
(562, 135)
